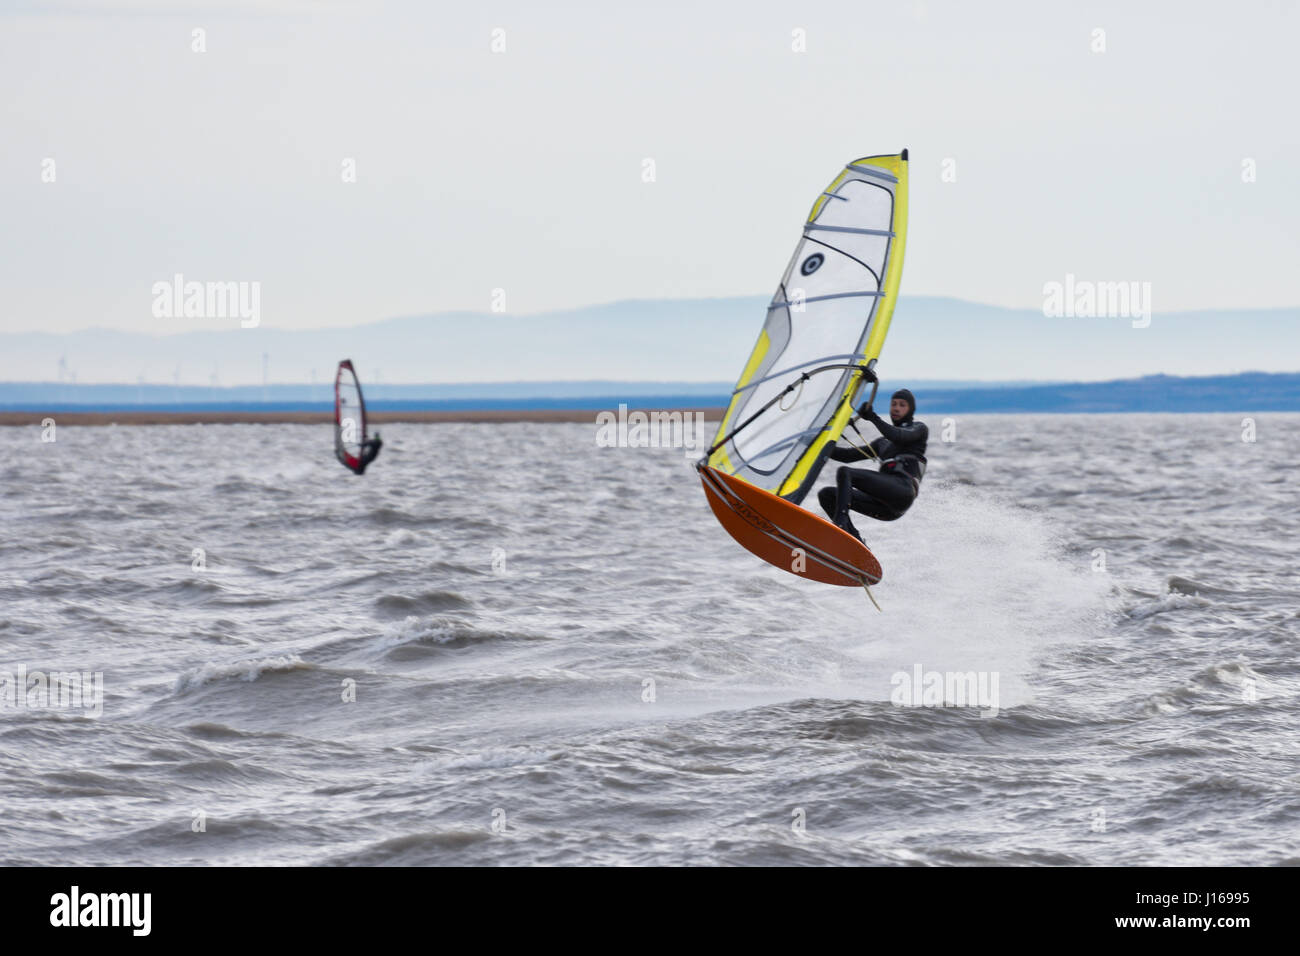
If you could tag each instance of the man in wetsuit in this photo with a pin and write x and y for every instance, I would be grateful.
(887, 493)
(369, 452)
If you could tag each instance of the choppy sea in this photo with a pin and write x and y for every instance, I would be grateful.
(507, 645)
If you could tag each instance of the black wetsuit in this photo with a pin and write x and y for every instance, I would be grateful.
(885, 494)
(369, 452)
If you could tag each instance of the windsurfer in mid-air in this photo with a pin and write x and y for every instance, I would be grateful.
(885, 494)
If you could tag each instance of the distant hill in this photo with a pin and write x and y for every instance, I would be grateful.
(698, 341)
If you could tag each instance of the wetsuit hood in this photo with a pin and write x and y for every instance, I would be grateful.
(908, 397)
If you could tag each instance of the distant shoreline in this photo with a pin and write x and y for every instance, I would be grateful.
(1246, 393)
(495, 416)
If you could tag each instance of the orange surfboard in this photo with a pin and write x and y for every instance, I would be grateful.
(787, 536)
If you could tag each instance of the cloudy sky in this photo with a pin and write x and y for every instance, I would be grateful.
(524, 169)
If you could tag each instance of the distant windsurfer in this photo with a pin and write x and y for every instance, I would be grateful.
(885, 494)
(369, 452)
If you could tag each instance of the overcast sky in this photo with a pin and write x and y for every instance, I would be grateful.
(523, 169)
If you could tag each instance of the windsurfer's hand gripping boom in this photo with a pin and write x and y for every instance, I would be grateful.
(868, 375)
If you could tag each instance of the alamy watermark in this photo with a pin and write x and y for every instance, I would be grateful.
(128, 910)
(1084, 298)
(179, 299)
(655, 429)
(53, 690)
(946, 689)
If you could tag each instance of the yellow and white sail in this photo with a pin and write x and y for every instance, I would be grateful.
(833, 306)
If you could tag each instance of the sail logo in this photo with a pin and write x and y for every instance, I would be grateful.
(655, 429)
(179, 299)
(946, 689)
(56, 690)
(812, 263)
(1086, 299)
(74, 909)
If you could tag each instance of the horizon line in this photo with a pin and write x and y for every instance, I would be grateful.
(942, 384)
